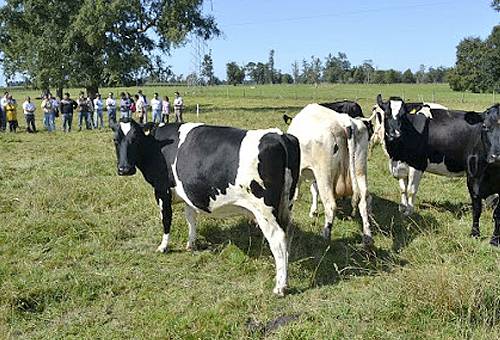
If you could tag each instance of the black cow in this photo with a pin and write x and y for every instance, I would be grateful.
(448, 143)
(345, 106)
(219, 171)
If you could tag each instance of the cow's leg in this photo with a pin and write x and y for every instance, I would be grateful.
(364, 207)
(403, 187)
(276, 238)
(314, 203)
(495, 239)
(190, 214)
(477, 206)
(326, 187)
(164, 200)
(414, 177)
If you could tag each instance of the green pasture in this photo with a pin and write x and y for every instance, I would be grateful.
(78, 260)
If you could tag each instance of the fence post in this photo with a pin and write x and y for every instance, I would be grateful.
(462, 97)
(197, 110)
(227, 92)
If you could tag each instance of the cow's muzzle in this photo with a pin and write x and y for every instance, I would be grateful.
(126, 171)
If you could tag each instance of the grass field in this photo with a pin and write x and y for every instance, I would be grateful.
(77, 244)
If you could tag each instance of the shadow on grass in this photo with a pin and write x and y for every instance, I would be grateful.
(458, 209)
(323, 262)
(402, 229)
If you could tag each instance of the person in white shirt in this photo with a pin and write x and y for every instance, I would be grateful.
(156, 108)
(141, 108)
(178, 107)
(98, 110)
(3, 117)
(145, 104)
(111, 108)
(29, 113)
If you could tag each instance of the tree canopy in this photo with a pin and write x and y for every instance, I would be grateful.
(94, 42)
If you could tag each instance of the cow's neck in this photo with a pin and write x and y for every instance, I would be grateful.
(152, 163)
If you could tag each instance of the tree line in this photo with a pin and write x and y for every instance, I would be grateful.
(92, 43)
(333, 69)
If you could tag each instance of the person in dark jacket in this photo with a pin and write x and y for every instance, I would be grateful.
(66, 107)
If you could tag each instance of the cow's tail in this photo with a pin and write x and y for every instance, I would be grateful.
(291, 177)
(351, 146)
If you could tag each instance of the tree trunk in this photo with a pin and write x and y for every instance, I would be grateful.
(92, 90)
(59, 91)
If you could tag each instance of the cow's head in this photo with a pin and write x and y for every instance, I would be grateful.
(128, 138)
(394, 111)
(491, 133)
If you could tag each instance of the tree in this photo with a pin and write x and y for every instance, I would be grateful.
(256, 72)
(235, 74)
(496, 5)
(92, 42)
(337, 68)
(296, 72)
(467, 74)
(408, 77)
(207, 68)
(287, 78)
(368, 70)
(270, 76)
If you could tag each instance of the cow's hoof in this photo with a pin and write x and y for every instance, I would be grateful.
(162, 249)
(368, 241)
(327, 233)
(402, 208)
(190, 247)
(313, 214)
(279, 291)
(475, 233)
(495, 241)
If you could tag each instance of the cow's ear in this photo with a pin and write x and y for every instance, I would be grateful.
(419, 122)
(413, 108)
(475, 118)
(380, 102)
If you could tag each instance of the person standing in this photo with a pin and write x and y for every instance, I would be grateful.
(139, 109)
(145, 104)
(3, 116)
(84, 108)
(165, 110)
(178, 107)
(156, 108)
(55, 107)
(67, 107)
(111, 109)
(29, 113)
(98, 110)
(48, 121)
(11, 114)
(124, 106)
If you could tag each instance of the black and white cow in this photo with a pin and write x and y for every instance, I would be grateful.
(219, 171)
(408, 177)
(334, 151)
(450, 143)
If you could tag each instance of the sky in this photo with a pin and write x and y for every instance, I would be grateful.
(394, 34)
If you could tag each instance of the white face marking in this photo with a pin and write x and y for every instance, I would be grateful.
(395, 107)
(125, 127)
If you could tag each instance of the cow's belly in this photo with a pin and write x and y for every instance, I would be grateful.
(441, 169)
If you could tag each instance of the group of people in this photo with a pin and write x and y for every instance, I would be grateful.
(90, 111)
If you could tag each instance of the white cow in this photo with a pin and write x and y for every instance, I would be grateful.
(334, 150)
